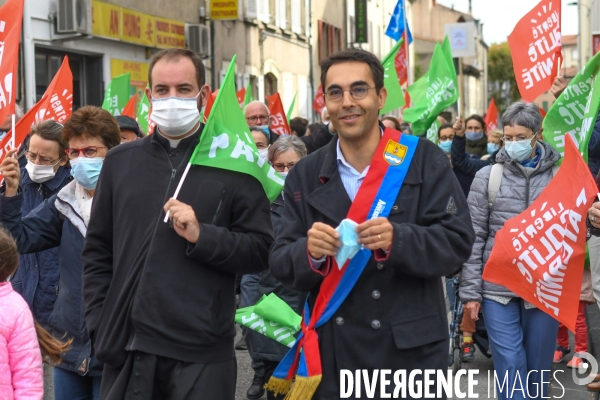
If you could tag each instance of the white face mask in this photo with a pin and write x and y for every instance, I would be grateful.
(40, 173)
(175, 116)
(263, 153)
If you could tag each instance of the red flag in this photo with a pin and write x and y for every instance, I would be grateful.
(129, 109)
(11, 19)
(319, 101)
(22, 128)
(209, 103)
(279, 123)
(491, 116)
(406, 100)
(59, 95)
(539, 254)
(401, 62)
(240, 96)
(535, 45)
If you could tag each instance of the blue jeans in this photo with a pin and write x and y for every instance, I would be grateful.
(522, 342)
(72, 386)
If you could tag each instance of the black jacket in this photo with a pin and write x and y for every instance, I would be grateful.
(465, 167)
(395, 316)
(314, 141)
(145, 287)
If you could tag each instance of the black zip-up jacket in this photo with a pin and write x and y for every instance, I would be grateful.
(145, 287)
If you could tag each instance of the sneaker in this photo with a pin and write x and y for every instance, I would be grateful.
(560, 353)
(468, 351)
(256, 389)
(575, 362)
(241, 344)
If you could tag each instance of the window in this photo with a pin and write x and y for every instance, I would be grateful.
(545, 105)
(296, 15)
(263, 11)
(270, 84)
(330, 40)
(281, 14)
(575, 54)
(87, 75)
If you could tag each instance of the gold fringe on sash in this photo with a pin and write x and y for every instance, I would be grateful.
(304, 388)
(278, 385)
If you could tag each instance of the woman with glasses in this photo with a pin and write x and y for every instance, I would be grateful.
(522, 337)
(61, 220)
(284, 154)
(46, 173)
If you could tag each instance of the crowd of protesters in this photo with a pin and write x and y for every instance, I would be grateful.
(123, 305)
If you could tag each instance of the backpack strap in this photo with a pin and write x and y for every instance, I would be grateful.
(494, 182)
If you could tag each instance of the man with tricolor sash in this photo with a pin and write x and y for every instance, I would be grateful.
(376, 298)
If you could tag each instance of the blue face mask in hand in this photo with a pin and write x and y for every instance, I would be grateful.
(86, 171)
(446, 146)
(349, 239)
(474, 135)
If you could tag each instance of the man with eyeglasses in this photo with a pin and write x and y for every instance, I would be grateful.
(160, 297)
(406, 237)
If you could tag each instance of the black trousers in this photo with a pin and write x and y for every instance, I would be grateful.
(149, 377)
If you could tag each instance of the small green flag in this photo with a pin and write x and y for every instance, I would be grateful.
(271, 317)
(575, 110)
(291, 109)
(248, 96)
(432, 132)
(395, 97)
(117, 94)
(440, 92)
(226, 141)
(143, 113)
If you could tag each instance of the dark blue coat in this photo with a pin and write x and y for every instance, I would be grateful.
(44, 228)
(37, 277)
(594, 149)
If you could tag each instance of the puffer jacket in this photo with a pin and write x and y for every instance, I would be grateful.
(519, 187)
(37, 277)
(21, 374)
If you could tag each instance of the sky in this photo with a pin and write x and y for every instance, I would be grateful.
(500, 17)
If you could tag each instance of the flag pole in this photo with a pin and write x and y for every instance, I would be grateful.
(187, 168)
(13, 134)
(406, 42)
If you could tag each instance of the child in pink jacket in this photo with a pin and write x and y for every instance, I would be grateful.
(21, 374)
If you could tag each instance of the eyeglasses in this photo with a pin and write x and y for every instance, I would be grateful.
(262, 118)
(517, 139)
(280, 167)
(357, 93)
(41, 160)
(89, 151)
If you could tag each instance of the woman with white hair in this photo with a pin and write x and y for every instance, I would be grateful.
(522, 337)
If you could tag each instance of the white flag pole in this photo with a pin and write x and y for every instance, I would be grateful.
(187, 168)
(14, 136)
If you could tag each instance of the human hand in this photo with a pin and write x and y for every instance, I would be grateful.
(558, 86)
(11, 173)
(376, 234)
(594, 215)
(183, 219)
(323, 240)
(473, 307)
(459, 127)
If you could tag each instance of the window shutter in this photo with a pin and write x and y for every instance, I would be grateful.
(251, 9)
(263, 11)
(296, 16)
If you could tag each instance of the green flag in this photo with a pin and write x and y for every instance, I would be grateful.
(271, 317)
(434, 92)
(248, 96)
(117, 94)
(143, 113)
(432, 132)
(226, 141)
(291, 109)
(575, 110)
(395, 97)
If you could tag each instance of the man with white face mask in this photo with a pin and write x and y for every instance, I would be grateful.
(160, 296)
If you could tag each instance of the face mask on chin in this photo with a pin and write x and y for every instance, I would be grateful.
(175, 116)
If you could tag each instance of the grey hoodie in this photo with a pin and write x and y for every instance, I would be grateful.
(519, 187)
